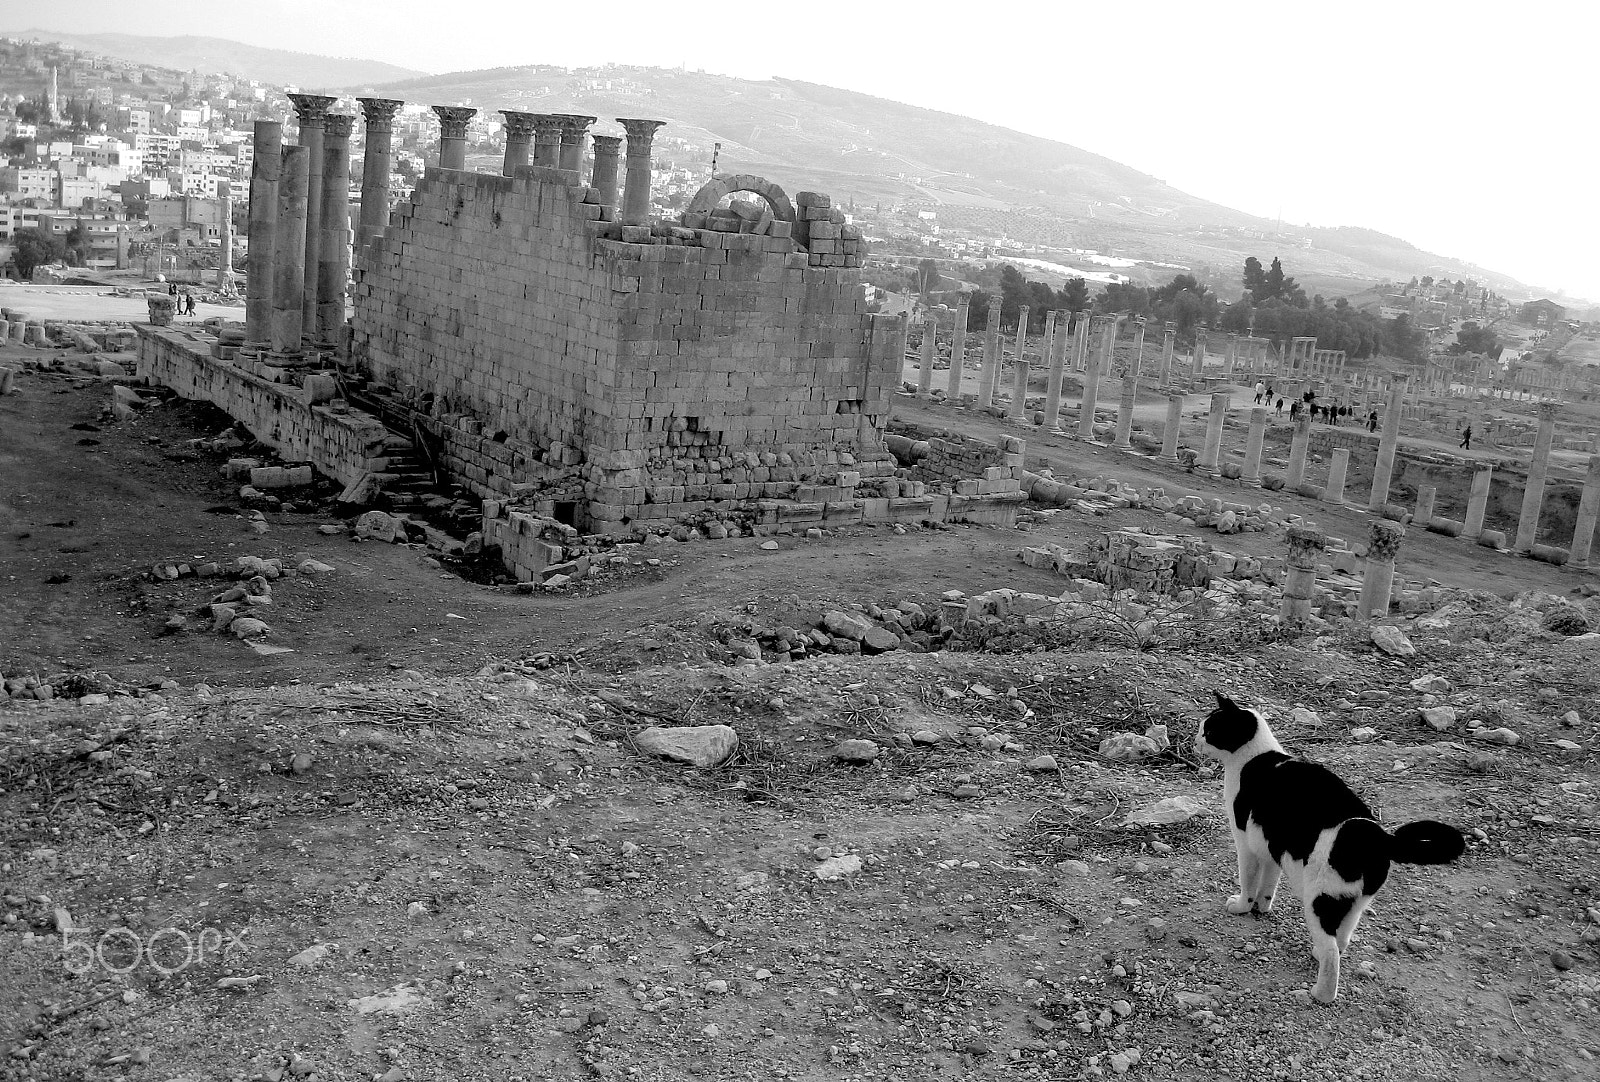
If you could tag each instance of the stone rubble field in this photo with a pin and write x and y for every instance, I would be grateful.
(996, 858)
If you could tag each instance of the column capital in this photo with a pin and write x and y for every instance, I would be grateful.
(641, 130)
(1305, 545)
(339, 125)
(573, 124)
(311, 109)
(453, 120)
(606, 144)
(1385, 540)
(1548, 411)
(379, 113)
(519, 125)
(546, 124)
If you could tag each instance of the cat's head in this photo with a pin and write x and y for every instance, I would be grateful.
(1229, 729)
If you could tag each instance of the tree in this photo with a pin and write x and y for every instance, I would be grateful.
(1405, 341)
(1255, 280)
(1014, 294)
(1262, 286)
(32, 248)
(1075, 295)
(927, 276)
(978, 308)
(1472, 338)
(1427, 279)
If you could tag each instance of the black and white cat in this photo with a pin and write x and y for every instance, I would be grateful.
(1297, 817)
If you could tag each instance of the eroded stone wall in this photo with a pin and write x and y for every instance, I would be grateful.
(340, 445)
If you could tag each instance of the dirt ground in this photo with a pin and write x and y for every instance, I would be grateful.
(506, 887)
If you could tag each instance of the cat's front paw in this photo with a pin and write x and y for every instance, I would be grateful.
(1238, 905)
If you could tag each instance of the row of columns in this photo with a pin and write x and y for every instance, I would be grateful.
(299, 221)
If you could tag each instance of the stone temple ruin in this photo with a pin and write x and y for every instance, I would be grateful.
(571, 362)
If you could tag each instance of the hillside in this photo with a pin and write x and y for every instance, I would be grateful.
(189, 53)
(974, 175)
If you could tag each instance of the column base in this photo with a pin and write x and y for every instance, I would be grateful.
(1122, 446)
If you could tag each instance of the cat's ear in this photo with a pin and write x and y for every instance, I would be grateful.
(1223, 700)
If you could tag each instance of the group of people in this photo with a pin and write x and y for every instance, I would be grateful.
(1308, 404)
(184, 305)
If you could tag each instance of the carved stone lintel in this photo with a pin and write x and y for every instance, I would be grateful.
(379, 113)
(1385, 541)
(453, 120)
(311, 109)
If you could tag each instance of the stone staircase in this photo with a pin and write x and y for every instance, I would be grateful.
(413, 481)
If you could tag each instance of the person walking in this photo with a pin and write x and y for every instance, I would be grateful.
(1280, 407)
(1372, 421)
(1260, 390)
(1466, 438)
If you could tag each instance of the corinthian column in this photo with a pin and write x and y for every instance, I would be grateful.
(453, 135)
(376, 164)
(1378, 582)
(547, 140)
(264, 174)
(1299, 585)
(289, 252)
(333, 250)
(519, 140)
(636, 193)
(603, 178)
(311, 110)
(573, 131)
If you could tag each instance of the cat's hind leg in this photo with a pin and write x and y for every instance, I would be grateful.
(1326, 916)
(1348, 927)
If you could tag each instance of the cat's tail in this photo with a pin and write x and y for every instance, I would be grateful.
(1426, 842)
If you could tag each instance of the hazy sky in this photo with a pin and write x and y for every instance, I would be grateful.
(1467, 128)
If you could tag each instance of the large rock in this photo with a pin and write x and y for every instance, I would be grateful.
(1173, 809)
(1391, 640)
(879, 640)
(1128, 747)
(697, 745)
(380, 526)
(856, 751)
(1439, 717)
(846, 625)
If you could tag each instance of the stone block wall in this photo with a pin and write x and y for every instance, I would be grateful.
(343, 446)
(953, 458)
(677, 359)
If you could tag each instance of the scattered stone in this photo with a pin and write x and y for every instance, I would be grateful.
(838, 867)
(1439, 717)
(1431, 685)
(1166, 812)
(1044, 764)
(1361, 734)
(878, 640)
(397, 1000)
(697, 745)
(926, 737)
(1561, 960)
(1496, 736)
(1392, 641)
(1128, 747)
(856, 751)
(311, 955)
(769, 546)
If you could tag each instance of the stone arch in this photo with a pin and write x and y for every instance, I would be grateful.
(714, 191)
